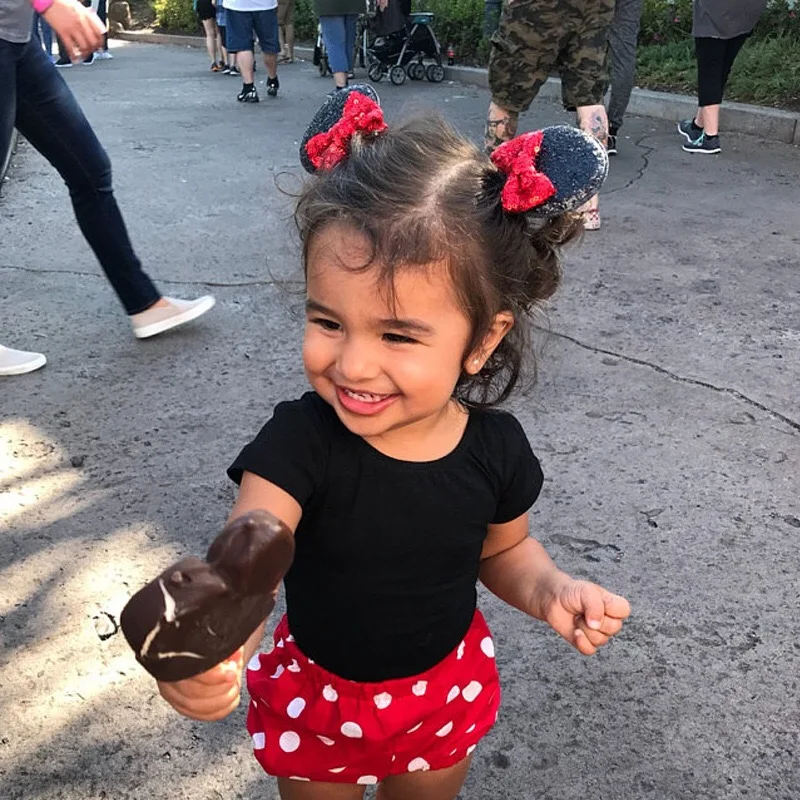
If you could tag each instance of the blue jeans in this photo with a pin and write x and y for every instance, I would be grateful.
(35, 99)
(43, 32)
(339, 35)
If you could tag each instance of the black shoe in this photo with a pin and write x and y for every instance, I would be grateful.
(703, 144)
(248, 94)
(89, 60)
(234, 70)
(273, 86)
(611, 144)
(63, 63)
(688, 129)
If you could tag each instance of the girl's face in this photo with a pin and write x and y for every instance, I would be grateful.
(386, 368)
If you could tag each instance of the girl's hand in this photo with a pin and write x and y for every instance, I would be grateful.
(585, 614)
(209, 696)
(79, 28)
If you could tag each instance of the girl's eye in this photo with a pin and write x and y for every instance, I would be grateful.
(396, 338)
(325, 324)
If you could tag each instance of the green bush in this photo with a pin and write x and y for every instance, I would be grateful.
(176, 15)
(459, 23)
(305, 23)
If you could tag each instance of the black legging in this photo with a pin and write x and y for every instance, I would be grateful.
(715, 58)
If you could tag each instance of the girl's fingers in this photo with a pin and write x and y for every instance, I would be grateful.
(595, 638)
(583, 644)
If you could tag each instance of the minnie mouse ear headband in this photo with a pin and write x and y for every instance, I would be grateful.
(548, 172)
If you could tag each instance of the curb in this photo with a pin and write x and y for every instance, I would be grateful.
(761, 121)
(5, 162)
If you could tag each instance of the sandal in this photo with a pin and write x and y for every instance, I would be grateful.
(285, 60)
(591, 219)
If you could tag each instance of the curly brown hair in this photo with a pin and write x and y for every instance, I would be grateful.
(423, 195)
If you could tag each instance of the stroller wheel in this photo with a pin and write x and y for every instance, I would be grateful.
(435, 73)
(416, 70)
(397, 75)
(375, 72)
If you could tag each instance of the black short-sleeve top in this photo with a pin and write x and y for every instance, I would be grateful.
(388, 552)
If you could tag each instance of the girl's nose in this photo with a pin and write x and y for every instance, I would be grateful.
(356, 363)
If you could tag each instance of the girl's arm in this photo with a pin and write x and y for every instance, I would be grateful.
(216, 693)
(519, 571)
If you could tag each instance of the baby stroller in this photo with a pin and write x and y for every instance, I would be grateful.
(403, 53)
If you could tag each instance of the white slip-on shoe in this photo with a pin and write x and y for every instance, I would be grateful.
(178, 312)
(18, 362)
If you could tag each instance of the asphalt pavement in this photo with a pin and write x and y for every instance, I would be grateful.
(666, 417)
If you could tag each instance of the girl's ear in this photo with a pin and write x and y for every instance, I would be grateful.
(502, 323)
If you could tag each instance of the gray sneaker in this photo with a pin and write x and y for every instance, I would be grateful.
(177, 312)
(18, 362)
(709, 145)
(688, 129)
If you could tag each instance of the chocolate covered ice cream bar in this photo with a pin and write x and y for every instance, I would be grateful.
(198, 613)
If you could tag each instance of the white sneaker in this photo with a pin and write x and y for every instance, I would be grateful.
(18, 362)
(103, 55)
(157, 320)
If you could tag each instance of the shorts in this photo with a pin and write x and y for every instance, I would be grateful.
(309, 724)
(285, 12)
(244, 25)
(205, 10)
(536, 37)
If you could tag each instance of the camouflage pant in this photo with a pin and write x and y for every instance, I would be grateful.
(536, 37)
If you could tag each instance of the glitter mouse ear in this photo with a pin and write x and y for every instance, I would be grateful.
(551, 171)
(351, 111)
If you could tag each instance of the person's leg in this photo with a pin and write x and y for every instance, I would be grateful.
(49, 117)
(622, 38)
(334, 35)
(266, 27)
(288, 31)
(102, 13)
(240, 44)
(584, 78)
(524, 50)
(710, 79)
(47, 36)
(442, 784)
(210, 29)
(732, 48)
(350, 30)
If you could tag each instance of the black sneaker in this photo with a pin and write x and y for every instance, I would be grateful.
(273, 86)
(248, 94)
(89, 60)
(234, 70)
(63, 63)
(703, 144)
(611, 144)
(688, 129)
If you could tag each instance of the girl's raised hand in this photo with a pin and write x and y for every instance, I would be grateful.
(585, 614)
(209, 696)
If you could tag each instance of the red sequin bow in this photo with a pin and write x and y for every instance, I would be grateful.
(360, 115)
(525, 187)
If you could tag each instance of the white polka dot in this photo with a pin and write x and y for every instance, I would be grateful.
(352, 730)
(295, 708)
(279, 671)
(367, 780)
(311, 661)
(471, 691)
(460, 653)
(444, 731)
(487, 645)
(259, 741)
(280, 643)
(294, 666)
(289, 741)
(383, 700)
(254, 664)
(327, 741)
(419, 688)
(296, 778)
(418, 764)
(470, 749)
(337, 770)
(470, 729)
(394, 758)
(290, 638)
(415, 728)
(453, 752)
(255, 705)
(330, 694)
(454, 692)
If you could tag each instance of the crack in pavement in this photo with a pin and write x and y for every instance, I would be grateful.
(213, 284)
(640, 172)
(674, 376)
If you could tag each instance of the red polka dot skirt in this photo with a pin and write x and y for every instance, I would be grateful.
(308, 724)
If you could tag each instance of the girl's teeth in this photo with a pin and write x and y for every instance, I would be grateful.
(364, 396)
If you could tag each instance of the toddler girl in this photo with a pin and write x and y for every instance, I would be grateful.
(403, 485)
